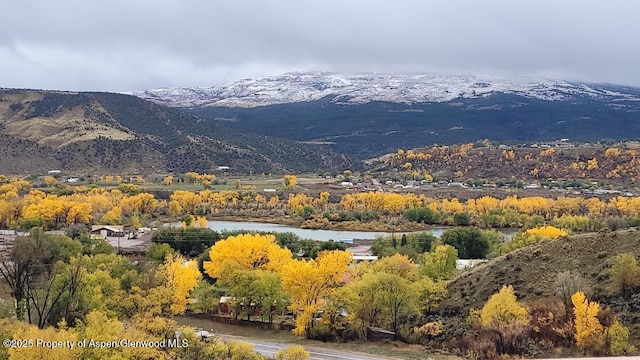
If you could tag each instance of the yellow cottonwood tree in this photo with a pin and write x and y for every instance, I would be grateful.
(309, 281)
(589, 332)
(187, 200)
(113, 216)
(546, 232)
(34, 334)
(98, 327)
(502, 310)
(290, 181)
(182, 277)
(50, 180)
(246, 251)
(168, 180)
(201, 222)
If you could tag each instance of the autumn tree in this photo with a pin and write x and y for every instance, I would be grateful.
(246, 251)
(618, 339)
(188, 201)
(182, 277)
(50, 180)
(440, 263)
(532, 236)
(502, 312)
(61, 334)
(309, 281)
(397, 296)
(290, 181)
(293, 352)
(243, 351)
(397, 264)
(589, 332)
(431, 292)
(625, 274)
(99, 327)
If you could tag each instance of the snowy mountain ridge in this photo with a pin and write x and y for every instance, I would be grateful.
(366, 88)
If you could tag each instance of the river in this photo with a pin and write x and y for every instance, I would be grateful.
(315, 234)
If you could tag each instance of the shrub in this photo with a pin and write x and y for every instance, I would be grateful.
(461, 219)
(294, 352)
(616, 223)
(422, 214)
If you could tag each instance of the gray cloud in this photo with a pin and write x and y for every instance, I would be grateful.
(122, 45)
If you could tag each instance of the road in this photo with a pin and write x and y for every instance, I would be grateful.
(269, 349)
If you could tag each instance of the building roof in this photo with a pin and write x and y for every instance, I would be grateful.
(114, 228)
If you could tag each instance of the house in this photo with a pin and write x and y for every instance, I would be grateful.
(226, 306)
(360, 258)
(73, 180)
(54, 172)
(221, 168)
(108, 230)
(269, 190)
(346, 183)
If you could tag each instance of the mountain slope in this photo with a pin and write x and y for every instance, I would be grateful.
(368, 115)
(104, 132)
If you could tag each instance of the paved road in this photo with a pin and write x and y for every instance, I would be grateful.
(269, 348)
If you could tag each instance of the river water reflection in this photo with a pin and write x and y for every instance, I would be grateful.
(321, 235)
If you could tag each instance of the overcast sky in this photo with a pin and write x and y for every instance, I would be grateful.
(121, 45)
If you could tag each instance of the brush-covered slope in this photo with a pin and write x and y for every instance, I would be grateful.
(105, 132)
(532, 270)
(613, 164)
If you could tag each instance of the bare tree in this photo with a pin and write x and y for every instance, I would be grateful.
(25, 259)
(568, 283)
(39, 283)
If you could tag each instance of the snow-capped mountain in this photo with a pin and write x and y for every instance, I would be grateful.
(366, 88)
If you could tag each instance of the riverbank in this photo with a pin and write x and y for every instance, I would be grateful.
(319, 233)
(373, 226)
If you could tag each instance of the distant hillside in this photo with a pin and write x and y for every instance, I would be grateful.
(105, 132)
(371, 114)
(560, 161)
